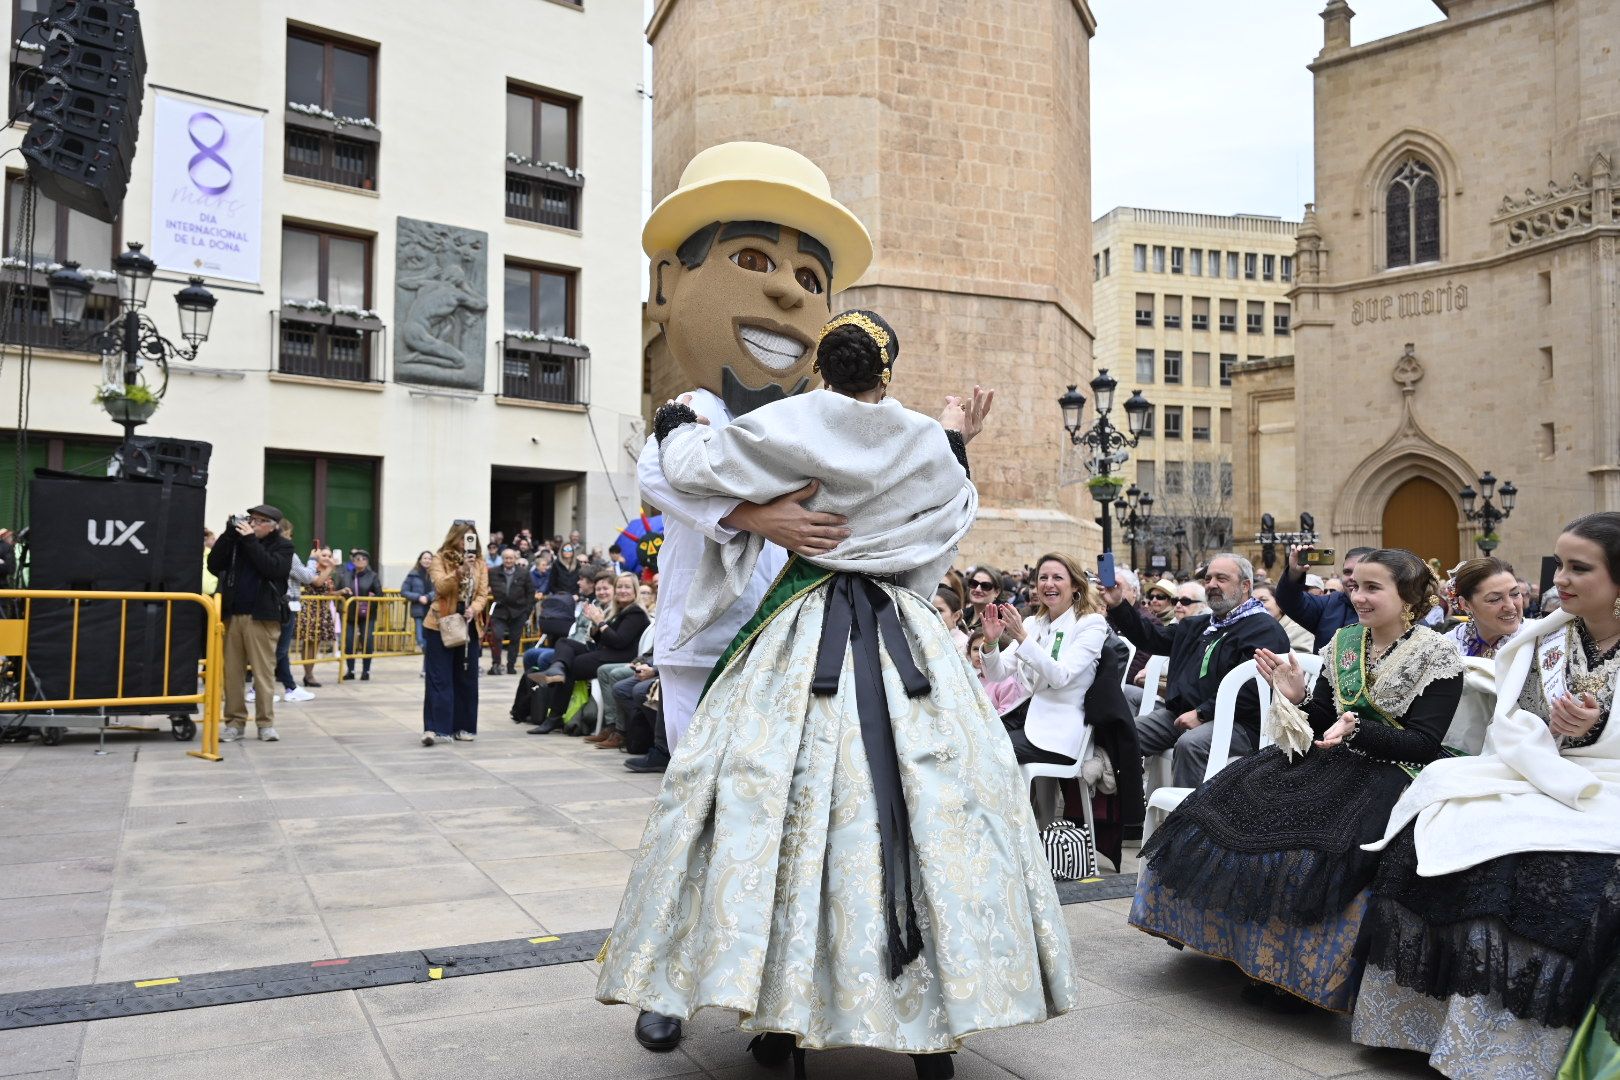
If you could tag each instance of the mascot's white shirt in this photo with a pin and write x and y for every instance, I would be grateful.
(688, 520)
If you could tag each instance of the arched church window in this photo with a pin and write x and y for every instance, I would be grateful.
(1412, 216)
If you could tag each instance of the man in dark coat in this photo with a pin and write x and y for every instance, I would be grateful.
(511, 589)
(1203, 649)
(252, 561)
(1322, 615)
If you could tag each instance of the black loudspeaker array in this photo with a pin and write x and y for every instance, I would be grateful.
(80, 144)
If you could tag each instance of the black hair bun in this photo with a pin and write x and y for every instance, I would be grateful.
(850, 360)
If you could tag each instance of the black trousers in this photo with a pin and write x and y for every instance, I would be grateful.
(509, 631)
(1025, 751)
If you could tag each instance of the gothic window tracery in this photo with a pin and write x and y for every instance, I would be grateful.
(1412, 216)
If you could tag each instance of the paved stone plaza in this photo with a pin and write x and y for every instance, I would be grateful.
(348, 837)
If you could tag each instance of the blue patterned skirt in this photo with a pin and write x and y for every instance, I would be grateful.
(1315, 961)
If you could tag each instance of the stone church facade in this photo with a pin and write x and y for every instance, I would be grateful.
(1457, 307)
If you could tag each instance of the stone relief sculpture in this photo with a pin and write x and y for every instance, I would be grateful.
(441, 294)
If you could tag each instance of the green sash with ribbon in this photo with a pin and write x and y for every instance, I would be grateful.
(797, 578)
(1350, 665)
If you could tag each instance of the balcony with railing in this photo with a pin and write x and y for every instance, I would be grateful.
(546, 194)
(332, 151)
(27, 78)
(27, 313)
(553, 371)
(328, 345)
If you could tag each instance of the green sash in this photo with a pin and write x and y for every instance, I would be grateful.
(797, 578)
(1593, 1054)
(1350, 661)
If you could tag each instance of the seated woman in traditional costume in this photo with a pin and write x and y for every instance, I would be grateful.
(1497, 901)
(843, 850)
(1488, 592)
(1262, 865)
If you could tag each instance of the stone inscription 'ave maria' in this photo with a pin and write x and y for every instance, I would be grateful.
(1409, 305)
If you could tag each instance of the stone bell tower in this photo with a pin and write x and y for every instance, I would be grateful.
(960, 134)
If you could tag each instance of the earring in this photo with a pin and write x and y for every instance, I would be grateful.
(1409, 617)
(1617, 608)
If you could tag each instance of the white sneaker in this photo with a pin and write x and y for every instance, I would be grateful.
(428, 738)
(230, 733)
(298, 693)
(465, 736)
(268, 734)
(252, 696)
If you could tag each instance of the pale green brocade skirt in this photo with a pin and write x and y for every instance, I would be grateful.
(759, 885)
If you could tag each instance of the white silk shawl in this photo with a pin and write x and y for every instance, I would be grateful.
(1520, 794)
(889, 470)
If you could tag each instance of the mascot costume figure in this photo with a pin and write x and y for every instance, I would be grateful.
(746, 255)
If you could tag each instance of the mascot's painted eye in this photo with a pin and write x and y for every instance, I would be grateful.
(808, 280)
(755, 260)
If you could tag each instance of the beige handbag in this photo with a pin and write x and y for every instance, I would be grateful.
(453, 630)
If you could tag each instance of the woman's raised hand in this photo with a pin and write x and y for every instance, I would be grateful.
(994, 627)
(1283, 673)
(1013, 621)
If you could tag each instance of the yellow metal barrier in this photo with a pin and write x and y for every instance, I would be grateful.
(14, 642)
(385, 629)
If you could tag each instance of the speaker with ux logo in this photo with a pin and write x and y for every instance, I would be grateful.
(106, 533)
(80, 144)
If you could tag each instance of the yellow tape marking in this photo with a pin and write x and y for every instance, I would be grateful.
(155, 982)
(543, 940)
(435, 973)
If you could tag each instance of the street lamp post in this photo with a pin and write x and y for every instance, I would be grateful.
(1106, 443)
(1486, 512)
(132, 335)
(1133, 512)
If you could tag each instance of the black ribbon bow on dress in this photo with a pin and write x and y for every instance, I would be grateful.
(861, 615)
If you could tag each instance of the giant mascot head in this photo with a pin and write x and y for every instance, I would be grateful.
(746, 254)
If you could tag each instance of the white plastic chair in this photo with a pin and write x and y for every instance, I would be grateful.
(1035, 769)
(1165, 799)
(1130, 658)
(1155, 769)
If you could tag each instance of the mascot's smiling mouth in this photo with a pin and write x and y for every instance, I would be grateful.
(776, 351)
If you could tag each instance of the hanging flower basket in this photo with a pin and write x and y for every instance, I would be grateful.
(127, 404)
(1105, 488)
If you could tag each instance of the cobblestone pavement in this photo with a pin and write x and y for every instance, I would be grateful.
(348, 837)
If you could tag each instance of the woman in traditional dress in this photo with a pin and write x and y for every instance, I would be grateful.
(843, 849)
(317, 614)
(1497, 902)
(1262, 865)
(1488, 592)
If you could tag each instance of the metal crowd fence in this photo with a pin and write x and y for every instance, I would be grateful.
(342, 629)
(23, 691)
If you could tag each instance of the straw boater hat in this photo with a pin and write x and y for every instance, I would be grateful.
(755, 181)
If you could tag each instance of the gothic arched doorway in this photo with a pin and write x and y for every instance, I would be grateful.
(1422, 516)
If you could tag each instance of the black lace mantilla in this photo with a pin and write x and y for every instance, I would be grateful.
(1269, 838)
(1538, 929)
(671, 416)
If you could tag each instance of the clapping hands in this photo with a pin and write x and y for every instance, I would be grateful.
(1283, 673)
(1003, 619)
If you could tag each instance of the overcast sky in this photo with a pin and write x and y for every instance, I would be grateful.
(1202, 105)
(1205, 105)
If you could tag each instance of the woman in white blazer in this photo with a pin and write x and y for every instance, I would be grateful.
(1054, 658)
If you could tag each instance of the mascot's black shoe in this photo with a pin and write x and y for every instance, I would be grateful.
(657, 1032)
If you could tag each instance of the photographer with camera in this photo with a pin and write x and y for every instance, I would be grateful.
(252, 561)
(1322, 615)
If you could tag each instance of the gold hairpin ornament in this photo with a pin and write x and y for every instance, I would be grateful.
(865, 322)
